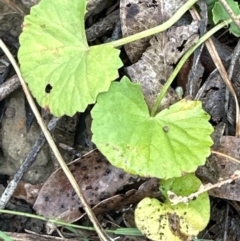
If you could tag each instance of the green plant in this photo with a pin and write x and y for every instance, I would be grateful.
(65, 75)
(68, 75)
(164, 221)
(70, 226)
(218, 13)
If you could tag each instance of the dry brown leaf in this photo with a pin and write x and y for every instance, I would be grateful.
(139, 15)
(97, 178)
(156, 64)
(150, 188)
(213, 97)
(27, 191)
(224, 168)
(135, 17)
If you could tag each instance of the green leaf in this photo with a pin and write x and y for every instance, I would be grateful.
(163, 221)
(63, 73)
(199, 207)
(181, 186)
(128, 232)
(176, 140)
(219, 14)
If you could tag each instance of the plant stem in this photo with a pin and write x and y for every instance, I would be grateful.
(160, 28)
(183, 60)
(118, 231)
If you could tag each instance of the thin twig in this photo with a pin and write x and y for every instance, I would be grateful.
(226, 156)
(13, 6)
(101, 233)
(226, 223)
(234, 59)
(175, 199)
(100, 28)
(29, 160)
(9, 86)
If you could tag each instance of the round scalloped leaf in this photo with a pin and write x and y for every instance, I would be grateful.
(63, 73)
(163, 221)
(176, 140)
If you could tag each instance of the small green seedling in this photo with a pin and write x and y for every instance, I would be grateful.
(163, 221)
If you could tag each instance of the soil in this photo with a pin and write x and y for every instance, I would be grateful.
(19, 131)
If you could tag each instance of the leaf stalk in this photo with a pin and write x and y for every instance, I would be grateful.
(183, 60)
(160, 28)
